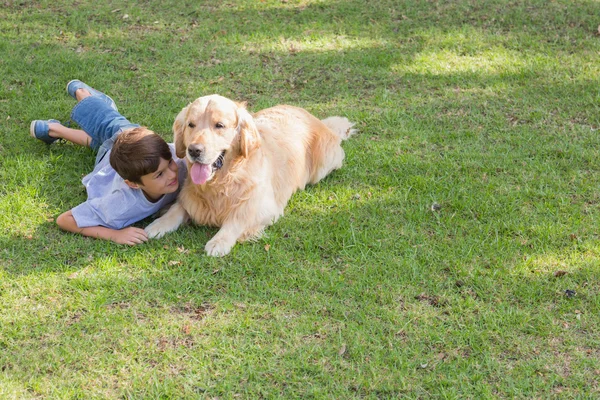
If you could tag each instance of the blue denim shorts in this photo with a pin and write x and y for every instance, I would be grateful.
(99, 120)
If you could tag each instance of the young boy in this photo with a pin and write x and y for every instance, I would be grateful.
(136, 172)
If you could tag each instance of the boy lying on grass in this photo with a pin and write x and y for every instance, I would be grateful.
(136, 173)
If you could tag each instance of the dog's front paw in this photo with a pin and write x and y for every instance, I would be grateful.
(156, 229)
(218, 247)
(168, 222)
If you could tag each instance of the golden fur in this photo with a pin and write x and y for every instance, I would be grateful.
(267, 157)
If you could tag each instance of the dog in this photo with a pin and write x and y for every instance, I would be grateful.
(243, 168)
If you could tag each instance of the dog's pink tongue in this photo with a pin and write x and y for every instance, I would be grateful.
(200, 173)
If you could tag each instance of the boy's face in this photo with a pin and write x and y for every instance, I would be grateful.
(162, 181)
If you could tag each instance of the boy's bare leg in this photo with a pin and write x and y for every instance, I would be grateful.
(76, 136)
(81, 94)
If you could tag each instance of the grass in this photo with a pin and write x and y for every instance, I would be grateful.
(455, 255)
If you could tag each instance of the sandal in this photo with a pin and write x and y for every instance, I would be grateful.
(40, 129)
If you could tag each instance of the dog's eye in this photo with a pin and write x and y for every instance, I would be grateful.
(191, 124)
(220, 125)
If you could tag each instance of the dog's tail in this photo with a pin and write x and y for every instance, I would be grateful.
(340, 126)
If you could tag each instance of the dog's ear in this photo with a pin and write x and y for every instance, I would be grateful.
(178, 128)
(249, 138)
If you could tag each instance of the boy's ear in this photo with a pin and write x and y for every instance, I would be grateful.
(178, 128)
(249, 138)
(132, 185)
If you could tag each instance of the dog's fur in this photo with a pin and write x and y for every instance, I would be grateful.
(267, 157)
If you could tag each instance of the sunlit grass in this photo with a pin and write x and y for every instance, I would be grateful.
(453, 256)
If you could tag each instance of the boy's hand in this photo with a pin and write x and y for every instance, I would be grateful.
(130, 236)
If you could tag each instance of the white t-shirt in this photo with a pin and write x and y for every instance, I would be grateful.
(112, 203)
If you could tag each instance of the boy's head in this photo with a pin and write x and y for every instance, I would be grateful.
(143, 159)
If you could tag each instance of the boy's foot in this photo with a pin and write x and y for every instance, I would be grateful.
(40, 129)
(75, 84)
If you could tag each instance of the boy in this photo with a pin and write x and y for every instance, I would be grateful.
(136, 172)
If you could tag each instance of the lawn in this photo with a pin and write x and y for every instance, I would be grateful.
(455, 255)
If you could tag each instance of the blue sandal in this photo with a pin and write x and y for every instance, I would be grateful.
(75, 84)
(40, 129)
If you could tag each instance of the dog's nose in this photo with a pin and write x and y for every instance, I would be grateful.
(195, 150)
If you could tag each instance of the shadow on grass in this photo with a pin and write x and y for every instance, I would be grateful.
(427, 171)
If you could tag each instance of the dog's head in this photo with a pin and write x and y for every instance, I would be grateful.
(212, 133)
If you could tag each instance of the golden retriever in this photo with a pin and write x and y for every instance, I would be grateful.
(243, 169)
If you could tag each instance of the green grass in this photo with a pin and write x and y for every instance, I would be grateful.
(489, 109)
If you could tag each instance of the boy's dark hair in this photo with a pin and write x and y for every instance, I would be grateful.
(137, 152)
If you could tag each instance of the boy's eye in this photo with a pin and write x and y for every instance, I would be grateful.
(191, 124)
(220, 125)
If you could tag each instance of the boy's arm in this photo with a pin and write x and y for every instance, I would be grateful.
(129, 235)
